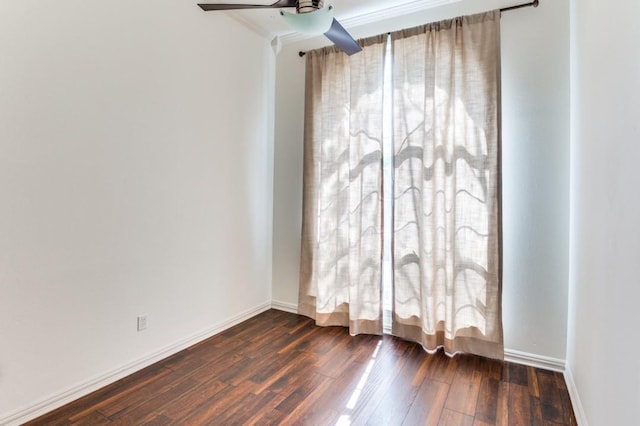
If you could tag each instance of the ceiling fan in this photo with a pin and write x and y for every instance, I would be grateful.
(311, 17)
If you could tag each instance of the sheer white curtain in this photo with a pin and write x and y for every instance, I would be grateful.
(342, 213)
(446, 115)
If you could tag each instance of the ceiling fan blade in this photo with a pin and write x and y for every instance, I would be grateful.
(278, 4)
(341, 38)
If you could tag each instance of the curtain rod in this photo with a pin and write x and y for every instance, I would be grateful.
(534, 3)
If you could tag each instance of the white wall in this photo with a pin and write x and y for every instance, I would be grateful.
(136, 165)
(535, 57)
(604, 343)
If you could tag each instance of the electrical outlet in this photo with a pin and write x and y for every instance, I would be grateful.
(142, 322)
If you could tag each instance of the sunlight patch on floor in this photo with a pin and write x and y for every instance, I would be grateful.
(345, 419)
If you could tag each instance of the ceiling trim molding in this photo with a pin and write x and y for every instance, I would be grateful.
(378, 15)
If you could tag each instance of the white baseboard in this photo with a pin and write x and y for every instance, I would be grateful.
(578, 409)
(534, 360)
(59, 399)
(285, 306)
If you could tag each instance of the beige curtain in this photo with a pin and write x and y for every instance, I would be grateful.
(342, 211)
(446, 112)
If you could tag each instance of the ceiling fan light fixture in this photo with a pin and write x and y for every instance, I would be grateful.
(313, 23)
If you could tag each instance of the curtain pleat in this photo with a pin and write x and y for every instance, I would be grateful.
(446, 237)
(341, 255)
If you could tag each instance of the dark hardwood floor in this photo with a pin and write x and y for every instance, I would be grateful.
(279, 368)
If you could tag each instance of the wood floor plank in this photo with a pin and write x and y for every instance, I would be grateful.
(465, 387)
(532, 377)
(487, 403)
(298, 324)
(491, 368)
(182, 407)
(299, 394)
(269, 343)
(502, 410)
(127, 402)
(303, 339)
(333, 362)
(326, 340)
(241, 409)
(478, 422)
(453, 418)
(536, 407)
(516, 374)
(364, 347)
(255, 326)
(551, 402)
(214, 369)
(279, 368)
(136, 414)
(250, 368)
(291, 376)
(209, 410)
(306, 411)
(186, 365)
(93, 419)
(263, 414)
(345, 387)
(158, 421)
(219, 349)
(386, 369)
(268, 414)
(519, 405)
(443, 369)
(401, 392)
(429, 404)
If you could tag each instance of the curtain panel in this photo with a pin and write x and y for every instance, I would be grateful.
(447, 227)
(443, 88)
(342, 232)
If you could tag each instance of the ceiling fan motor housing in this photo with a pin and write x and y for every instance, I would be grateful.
(305, 6)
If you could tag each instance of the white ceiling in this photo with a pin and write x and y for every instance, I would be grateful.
(350, 13)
